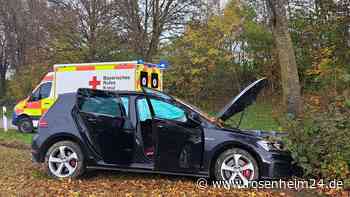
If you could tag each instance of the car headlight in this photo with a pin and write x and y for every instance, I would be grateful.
(271, 145)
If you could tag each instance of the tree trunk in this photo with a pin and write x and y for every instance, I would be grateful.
(154, 42)
(2, 83)
(286, 56)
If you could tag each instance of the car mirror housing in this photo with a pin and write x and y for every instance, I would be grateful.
(194, 117)
(33, 97)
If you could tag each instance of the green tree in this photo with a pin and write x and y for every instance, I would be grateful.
(203, 59)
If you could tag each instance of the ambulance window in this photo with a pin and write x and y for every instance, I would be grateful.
(35, 95)
(45, 90)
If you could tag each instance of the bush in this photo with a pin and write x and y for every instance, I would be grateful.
(320, 143)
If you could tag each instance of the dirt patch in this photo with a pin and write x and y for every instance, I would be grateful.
(14, 144)
(20, 177)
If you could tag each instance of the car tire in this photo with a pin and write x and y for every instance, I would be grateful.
(65, 159)
(25, 125)
(227, 170)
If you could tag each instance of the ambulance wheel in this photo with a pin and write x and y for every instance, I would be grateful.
(25, 125)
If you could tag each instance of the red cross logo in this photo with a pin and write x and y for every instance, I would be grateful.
(94, 83)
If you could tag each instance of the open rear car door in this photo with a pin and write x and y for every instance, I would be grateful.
(103, 122)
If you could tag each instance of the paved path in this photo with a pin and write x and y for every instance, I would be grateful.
(9, 120)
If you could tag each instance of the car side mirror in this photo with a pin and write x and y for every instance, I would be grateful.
(33, 97)
(194, 117)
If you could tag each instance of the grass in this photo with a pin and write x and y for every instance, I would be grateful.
(13, 135)
(257, 116)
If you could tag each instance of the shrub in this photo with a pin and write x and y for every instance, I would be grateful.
(320, 143)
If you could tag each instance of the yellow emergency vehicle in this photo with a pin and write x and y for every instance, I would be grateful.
(67, 78)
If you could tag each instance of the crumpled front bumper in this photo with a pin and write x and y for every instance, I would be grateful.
(279, 165)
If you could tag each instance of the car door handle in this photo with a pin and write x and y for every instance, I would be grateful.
(92, 119)
(160, 126)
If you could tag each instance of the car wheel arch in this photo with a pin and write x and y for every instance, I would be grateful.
(229, 145)
(57, 138)
(23, 116)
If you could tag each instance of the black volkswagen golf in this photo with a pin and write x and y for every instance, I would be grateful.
(153, 132)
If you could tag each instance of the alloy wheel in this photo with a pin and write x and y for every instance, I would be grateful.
(63, 161)
(237, 168)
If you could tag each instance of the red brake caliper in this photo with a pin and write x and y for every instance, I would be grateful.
(246, 173)
(73, 163)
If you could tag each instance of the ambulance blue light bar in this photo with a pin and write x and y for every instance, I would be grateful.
(140, 62)
(163, 64)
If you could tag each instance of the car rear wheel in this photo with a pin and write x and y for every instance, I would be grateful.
(25, 125)
(237, 166)
(65, 160)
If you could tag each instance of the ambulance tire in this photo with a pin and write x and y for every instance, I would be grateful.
(25, 125)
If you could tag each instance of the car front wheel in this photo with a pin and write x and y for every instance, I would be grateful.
(237, 166)
(65, 160)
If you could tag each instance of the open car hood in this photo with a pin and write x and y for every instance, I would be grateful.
(243, 100)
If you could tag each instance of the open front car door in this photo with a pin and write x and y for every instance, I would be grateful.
(178, 139)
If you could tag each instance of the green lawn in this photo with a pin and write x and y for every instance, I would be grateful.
(13, 135)
(257, 116)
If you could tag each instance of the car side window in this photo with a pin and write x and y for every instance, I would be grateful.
(167, 111)
(102, 104)
(162, 110)
(143, 109)
(125, 102)
(45, 90)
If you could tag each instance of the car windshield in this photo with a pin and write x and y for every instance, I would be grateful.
(200, 112)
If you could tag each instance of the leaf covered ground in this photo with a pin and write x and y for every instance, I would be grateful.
(19, 177)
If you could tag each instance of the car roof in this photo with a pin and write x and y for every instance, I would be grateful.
(120, 92)
(129, 92)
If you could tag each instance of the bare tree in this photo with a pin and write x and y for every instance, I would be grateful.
(147, 22)
(90, 24)
(4, 60)
(23, 37)
(10, 47)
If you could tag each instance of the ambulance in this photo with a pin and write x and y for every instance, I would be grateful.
(67, 78)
